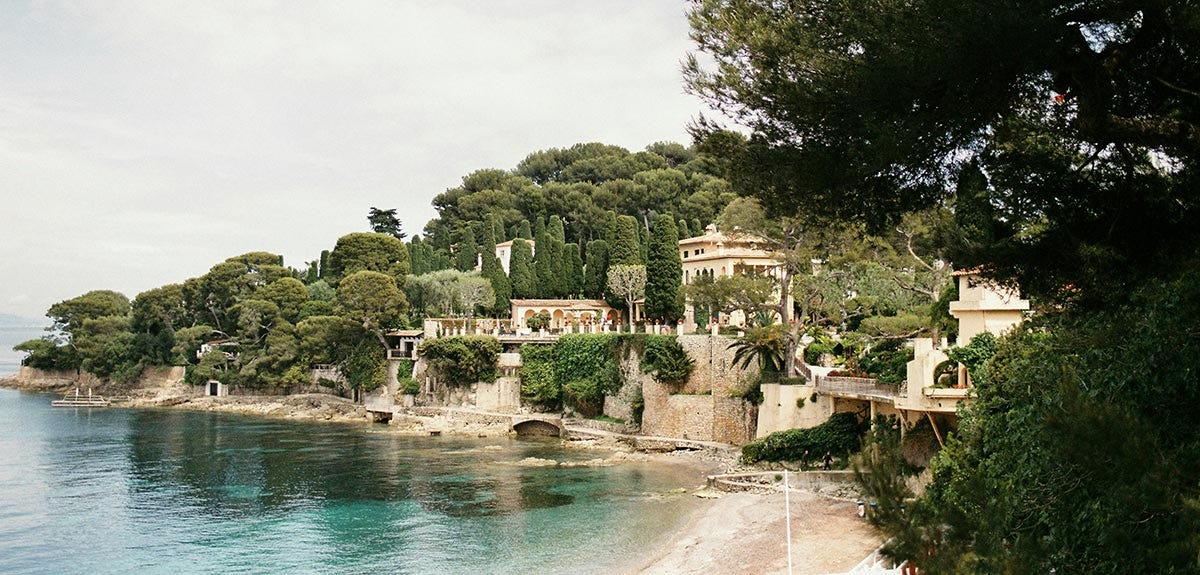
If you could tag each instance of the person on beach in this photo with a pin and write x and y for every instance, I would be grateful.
(828, 461)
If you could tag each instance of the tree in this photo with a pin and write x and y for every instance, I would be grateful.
(1067, 134)
(628, 283)
(385, 222)
(468, 252)
(1082, 117)
(494, 273)
(360, 251)
(664, 273)
(768, 345)
(69, 315)
(372, 300)
(595, 273)
(571, 274)
(288, 294)
(625, 250)
(520, 270)
(475, 291)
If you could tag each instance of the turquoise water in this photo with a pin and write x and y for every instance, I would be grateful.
(161, 491)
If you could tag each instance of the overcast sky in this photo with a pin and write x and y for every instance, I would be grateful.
(143, 142)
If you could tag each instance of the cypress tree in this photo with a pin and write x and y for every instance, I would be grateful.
(324, 265)
(546, 266)
(494, 272)
(625, 248)
(523, 231)
(595, 274)
(497, 231)
(572, 270)
(539, 228)
(697, 228)
(684, 232)
(468, 252)
(664, 274)
(520, 270)
(417, 257)
(643, 242)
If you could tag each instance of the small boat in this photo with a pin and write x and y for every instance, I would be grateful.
(76, 400)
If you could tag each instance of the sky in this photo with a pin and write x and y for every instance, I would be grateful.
(142, 142)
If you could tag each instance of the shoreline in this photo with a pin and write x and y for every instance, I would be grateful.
(730, 532)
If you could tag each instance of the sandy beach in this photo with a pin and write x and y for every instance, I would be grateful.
(744, 533)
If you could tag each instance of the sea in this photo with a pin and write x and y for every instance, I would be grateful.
(98, 491)
(10, 335)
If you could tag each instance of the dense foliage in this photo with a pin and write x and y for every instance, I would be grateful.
(538, 384)
(839, 435)
(462, 360)
(1064, 137)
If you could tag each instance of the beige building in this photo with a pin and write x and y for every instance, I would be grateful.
(719, 254)
(983, 305)
(504, 252)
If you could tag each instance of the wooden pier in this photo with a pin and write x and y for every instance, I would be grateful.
(77, 400)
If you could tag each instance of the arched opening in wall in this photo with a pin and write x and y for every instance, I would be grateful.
(525, 317)
(537, 427)
(557, 318)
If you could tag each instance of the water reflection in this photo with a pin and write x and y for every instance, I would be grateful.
(162, 491)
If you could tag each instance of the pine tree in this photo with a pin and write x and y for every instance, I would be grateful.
(595, 274)
(493, 271)
(468, 252)
(520, 270)
(664, 274)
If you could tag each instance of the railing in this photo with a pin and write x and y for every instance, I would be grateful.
(861, 386)
(400, 354)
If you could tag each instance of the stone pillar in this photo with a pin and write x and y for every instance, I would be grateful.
(679, 329)
(712, 327)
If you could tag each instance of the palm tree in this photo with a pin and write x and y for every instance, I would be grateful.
(767, 344)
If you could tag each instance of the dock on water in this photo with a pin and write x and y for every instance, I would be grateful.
(78, 400)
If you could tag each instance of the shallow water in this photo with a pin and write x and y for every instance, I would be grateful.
(162, 491)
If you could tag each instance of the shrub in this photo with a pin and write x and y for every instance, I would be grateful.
(409, 385)
(976, 354)
(814, 351)
(538, 383)
(463, 360)
(887, 361)
(839, 435)
(666, 360)
(586, 368)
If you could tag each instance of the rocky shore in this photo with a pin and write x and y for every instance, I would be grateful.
(728, 533)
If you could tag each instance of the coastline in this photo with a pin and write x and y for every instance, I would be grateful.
(745, 533)
(740, 532)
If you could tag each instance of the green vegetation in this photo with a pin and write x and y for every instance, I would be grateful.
(839, 435)
(462, 360)
(1054, 144)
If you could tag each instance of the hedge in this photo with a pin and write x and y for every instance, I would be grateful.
(839, 435)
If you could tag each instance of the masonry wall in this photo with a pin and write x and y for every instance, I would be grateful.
(779, 410)
(701, 408)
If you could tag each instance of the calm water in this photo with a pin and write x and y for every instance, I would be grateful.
(10, 361)
(157, 491)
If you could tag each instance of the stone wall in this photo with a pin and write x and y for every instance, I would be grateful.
(503, 395)
(779, 412)
(30, 377)
(701, 408)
